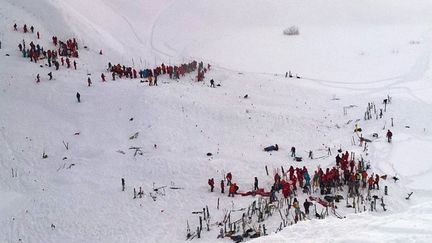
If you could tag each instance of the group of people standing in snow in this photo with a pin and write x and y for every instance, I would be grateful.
(331, 180)
(25, 30)
(60, 55)
(174, 72)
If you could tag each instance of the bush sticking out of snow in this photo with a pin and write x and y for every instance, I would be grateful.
(293, 30)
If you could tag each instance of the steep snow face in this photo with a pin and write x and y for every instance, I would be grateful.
(347, 53)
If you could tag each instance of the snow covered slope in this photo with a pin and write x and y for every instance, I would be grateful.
(347, 53)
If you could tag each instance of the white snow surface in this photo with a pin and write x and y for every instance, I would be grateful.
(348, 53)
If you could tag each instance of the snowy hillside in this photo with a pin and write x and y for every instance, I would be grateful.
(348, 54)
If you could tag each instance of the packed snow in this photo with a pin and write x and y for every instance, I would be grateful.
(348, 54)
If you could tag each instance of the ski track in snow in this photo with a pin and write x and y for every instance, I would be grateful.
(153, 26)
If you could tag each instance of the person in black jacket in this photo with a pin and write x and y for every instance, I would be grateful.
(271, 148)
(306, 205)
(293, 152)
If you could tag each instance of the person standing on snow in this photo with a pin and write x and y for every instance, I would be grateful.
(37, 78)
(50, 75)
(376, 182)
(212, 85)
(222, 185)
(389, 136)
(229, 178)
(75, 64)
(103, 77)
(256, 184)
(371, 183)
(123, 184)
(306, 205)
(233, 190)
(89, 82)
(78, 96)
(297, 210)
(293, 151)
(211, 184)
(56, 64)
(67, 62)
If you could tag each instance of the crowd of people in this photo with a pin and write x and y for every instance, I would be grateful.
(65, 51)
(326, 181)
(174, 72)
(345, 172)
(62, 53)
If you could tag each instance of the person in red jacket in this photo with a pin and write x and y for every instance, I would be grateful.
(291, 171)
(364, 178)
(371, 182)
(286, 190)
(134, 73)
(346, 156)
(54, 40)
(233, 189)
(211, 184)
(376, 182)
(294, 182)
